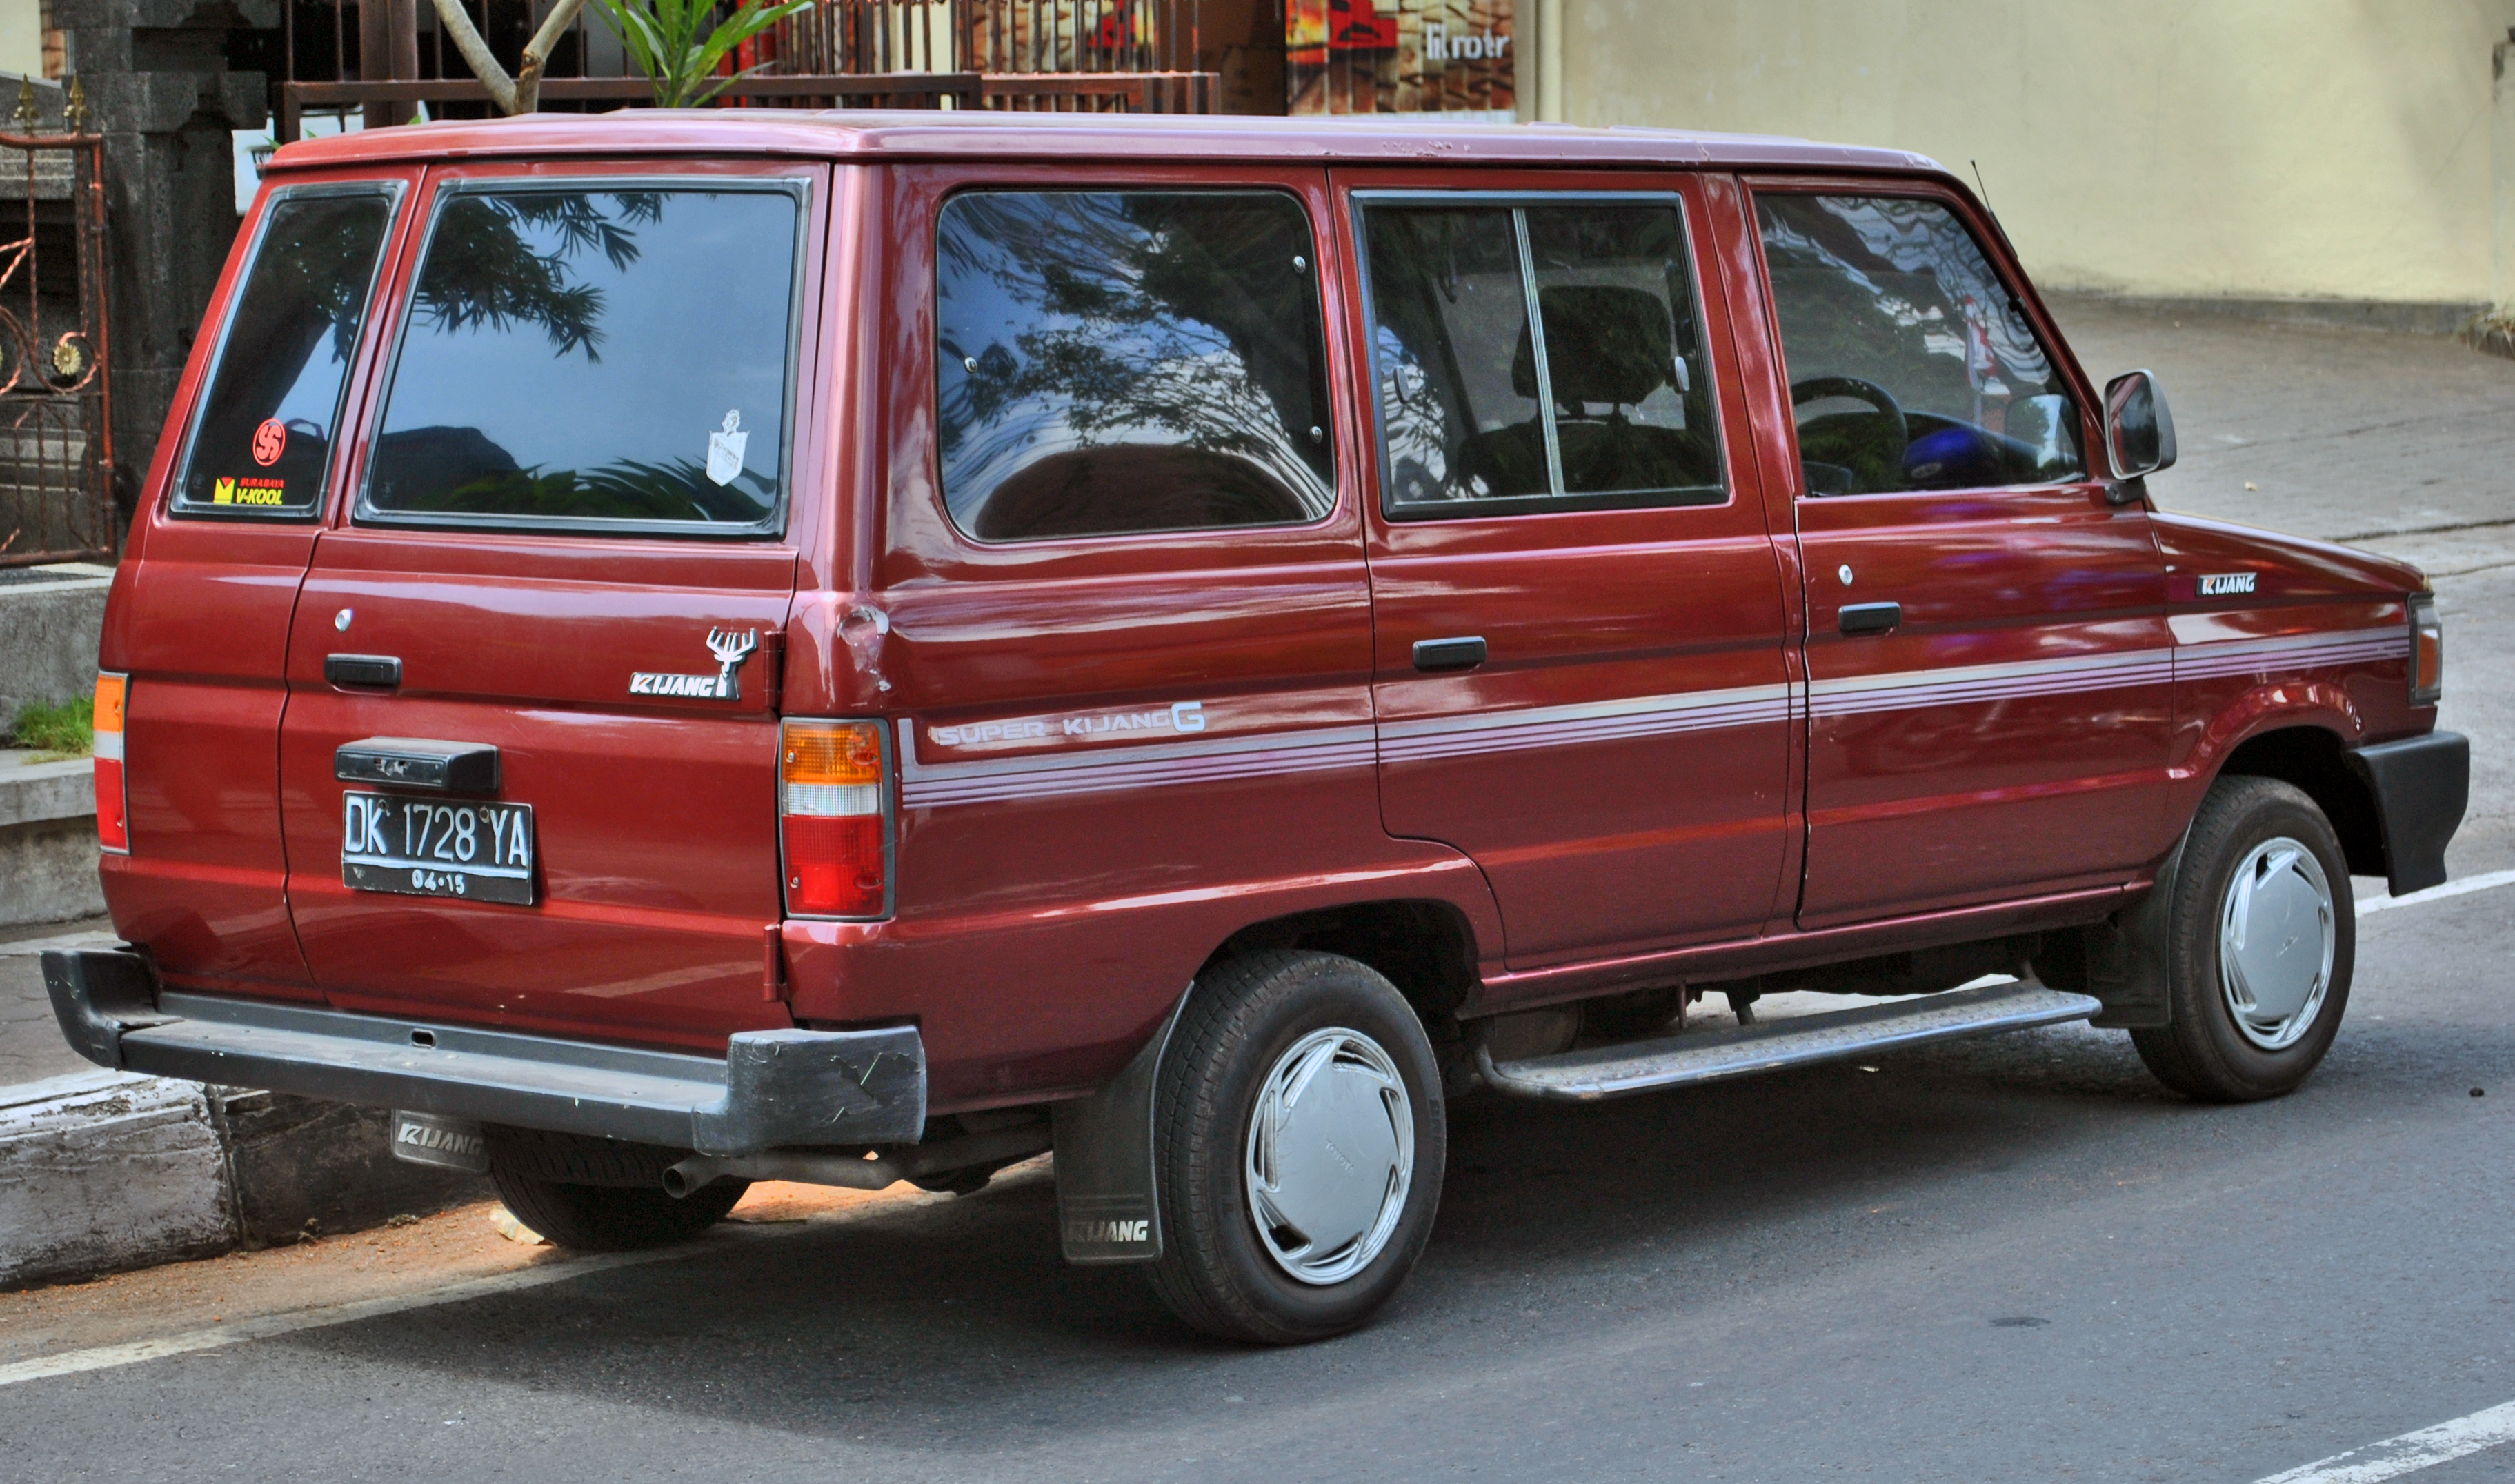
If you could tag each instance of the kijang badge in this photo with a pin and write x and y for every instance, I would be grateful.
(725, 448)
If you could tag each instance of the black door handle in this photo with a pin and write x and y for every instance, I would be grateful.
(1872, 618)
(1433, 654)
(382, 669)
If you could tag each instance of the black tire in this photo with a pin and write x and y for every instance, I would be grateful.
(2203, 1053)
(613, 1217)
(1216, 1271)
(599, 1194)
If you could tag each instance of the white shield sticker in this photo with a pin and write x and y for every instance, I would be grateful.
(724, 450)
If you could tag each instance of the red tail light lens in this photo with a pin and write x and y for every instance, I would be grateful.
(113, 799)
(832, 803)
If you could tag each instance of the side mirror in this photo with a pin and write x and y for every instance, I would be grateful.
(2139, 430)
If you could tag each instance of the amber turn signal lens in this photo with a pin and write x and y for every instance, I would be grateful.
(2427, 650)
(109, 691)
(824, 753)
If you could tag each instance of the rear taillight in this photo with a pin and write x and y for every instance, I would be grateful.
(2427, 650)
(113, 799)
(833, 818)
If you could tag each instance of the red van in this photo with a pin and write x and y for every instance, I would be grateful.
(682, 649)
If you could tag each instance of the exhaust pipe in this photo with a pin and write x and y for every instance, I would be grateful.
(858, 1170)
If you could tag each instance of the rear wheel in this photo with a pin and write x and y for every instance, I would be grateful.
(1298, 1137)
(598, 1194)
(2259, 946)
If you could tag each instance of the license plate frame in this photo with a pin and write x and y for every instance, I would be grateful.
(469, 849)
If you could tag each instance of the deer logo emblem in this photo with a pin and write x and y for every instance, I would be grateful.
(730, 650)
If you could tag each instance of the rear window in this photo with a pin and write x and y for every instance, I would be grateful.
(1134, 362)
(267, 422)
(614, 359)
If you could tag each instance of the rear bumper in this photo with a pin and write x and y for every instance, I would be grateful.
(2420, 786)
(785, 1089)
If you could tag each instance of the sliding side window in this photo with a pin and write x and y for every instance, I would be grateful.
(1538, 356)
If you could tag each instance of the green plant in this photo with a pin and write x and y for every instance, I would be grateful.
(665, 38)
(55, 730)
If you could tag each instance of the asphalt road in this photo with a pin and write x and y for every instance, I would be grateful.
(2006, 1259)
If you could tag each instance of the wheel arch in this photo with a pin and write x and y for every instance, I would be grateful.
(1426, 948)
(2313, 759)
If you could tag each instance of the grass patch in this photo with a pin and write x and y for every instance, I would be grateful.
(59, 730)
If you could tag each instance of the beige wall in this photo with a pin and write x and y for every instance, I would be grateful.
(21, 41)
(2315, 148)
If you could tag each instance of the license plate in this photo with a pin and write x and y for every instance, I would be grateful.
(482, 853)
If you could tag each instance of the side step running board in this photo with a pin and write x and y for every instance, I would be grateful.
(1675, 1061)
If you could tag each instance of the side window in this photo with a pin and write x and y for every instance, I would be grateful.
(267, 419)
(1110, 362)
(1606, 402)
(1912, 367)
(608, 359)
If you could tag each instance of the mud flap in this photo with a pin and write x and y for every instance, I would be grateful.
(1107, 1203)
(2127, 965)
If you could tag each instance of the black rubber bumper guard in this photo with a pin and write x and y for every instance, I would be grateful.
(777, 1089)
(2421, 787)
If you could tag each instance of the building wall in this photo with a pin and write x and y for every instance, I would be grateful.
(2244, 149)
(21, 39)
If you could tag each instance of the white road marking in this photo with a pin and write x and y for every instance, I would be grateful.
(2462, 887)
(264, 1327)
(2411, 1452)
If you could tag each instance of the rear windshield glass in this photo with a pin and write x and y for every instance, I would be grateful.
(267, 423)
(608, 359)
(1137, 361)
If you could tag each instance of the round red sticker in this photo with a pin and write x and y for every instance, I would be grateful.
(269, 441)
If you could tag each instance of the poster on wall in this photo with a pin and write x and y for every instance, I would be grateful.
(1448, 57)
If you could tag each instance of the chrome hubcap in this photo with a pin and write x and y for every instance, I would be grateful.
(2276, 940)
(1331, 1155)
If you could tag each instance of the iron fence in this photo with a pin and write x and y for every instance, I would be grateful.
(55, 382)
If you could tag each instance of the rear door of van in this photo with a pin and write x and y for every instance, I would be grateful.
(529, 760)
(198, 624)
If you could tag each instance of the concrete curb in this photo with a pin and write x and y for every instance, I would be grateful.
(102, 1171)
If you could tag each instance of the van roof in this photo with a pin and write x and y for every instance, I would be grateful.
(949, 134)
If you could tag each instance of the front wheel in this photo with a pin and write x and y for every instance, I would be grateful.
(2261, 940)
(1300, 1141)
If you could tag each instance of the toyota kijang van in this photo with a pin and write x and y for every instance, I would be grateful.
(674, 650)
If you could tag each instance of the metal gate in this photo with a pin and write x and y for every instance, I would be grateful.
(55, 413)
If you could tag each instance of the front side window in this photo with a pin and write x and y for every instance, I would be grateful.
(1605, 402)
(1912, 366)
(1117, 363)
(612, 358)
(269, 417)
